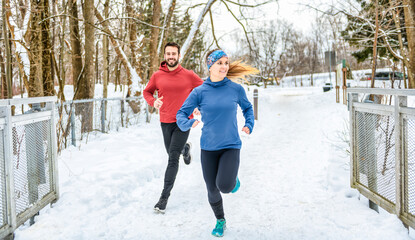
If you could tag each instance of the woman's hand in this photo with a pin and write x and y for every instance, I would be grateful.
(195, 123)
(246, 130)
(158, 103)
(196, 112)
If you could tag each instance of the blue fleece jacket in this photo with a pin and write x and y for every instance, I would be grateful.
(218, 103)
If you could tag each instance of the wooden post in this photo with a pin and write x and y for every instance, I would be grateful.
(401, 163)
(344, 70)
(256, 104)
(337, 89)
(353, 98)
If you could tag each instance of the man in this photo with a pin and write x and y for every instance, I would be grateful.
(173, 84)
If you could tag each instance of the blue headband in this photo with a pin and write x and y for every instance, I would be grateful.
(215, 56)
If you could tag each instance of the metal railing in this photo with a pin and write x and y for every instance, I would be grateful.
(28, 171)
(382, 138)
(78, 119)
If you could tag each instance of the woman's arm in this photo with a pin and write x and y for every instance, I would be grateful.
(247, 110)
(186, 110)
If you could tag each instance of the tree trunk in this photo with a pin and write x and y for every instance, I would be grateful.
(372, 85)
(3, 75)
(105, 64)
(61, 94)
(401, 46)
(133, 41)
(77, 64)
(47, 70)
(409, 11)
(154, 36)
(8, 66)
(166, 26)
(85, 87)
(35, 56)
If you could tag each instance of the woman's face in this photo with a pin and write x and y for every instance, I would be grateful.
(219, 69)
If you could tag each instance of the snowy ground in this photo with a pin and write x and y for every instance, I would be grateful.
(294, 174)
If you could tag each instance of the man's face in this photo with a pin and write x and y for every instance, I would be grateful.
(171, 55)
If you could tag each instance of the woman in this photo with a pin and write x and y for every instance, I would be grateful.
(217, 100)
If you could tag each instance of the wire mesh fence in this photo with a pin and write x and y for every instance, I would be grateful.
(383, 149)
(376, 153)
(32, 153)
(28, 177)
(3, 206)
(409, 148)
(77, 120)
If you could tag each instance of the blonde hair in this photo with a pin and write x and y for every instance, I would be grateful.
(238, 70)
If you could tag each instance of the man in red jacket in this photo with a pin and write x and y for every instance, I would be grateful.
(173, 84)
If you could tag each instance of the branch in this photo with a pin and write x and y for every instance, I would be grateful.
(247, 5)
(193, 30)
(243, 26)
(166, 23)
(194, 6)
(130, 18)
(373, 26)
(213, 29)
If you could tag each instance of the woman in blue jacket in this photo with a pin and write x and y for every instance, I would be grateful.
(217, 100)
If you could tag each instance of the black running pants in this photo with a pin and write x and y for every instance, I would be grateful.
(220, 169)
(174, 141)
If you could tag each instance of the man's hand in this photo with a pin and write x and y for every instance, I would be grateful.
(196, 112)
(195, 124)
(158, 103)
(246, 130)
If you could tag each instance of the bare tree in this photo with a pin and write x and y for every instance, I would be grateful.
(35, 79)
(76, 56)
(155, 31)
(409, 10)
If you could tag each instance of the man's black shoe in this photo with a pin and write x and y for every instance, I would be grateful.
(161, 205)
(187, 156)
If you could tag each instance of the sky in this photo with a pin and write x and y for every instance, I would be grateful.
(294, 173)
(292, 11)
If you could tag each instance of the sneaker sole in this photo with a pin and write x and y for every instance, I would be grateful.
(190, 154)
(217, 235)
(158, 210)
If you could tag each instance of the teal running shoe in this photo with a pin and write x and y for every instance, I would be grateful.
(219, 228)
(237, 185)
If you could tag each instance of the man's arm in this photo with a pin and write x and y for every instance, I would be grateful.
(149, 91)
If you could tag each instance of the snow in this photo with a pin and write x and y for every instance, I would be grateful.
(294, 176)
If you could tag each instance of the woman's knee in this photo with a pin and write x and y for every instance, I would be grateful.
(226, 187)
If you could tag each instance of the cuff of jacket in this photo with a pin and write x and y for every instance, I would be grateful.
(186, 126)
(250, 128)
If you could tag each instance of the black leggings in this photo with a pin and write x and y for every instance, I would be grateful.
(174, 141)
(220, 169)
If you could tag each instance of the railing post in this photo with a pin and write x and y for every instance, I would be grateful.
(400, 162)
(9, 168)
(147, 114)
(256, 104)
(370, 153)
(122, 112)
(53, 142)
(353, 97)
(73, 127)
(103, 104)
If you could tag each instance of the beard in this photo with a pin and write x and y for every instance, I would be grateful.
(174, 63)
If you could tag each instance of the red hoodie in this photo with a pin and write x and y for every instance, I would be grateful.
(174, 86)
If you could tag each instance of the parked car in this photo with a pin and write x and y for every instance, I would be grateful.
(385, 76)
(327, 87)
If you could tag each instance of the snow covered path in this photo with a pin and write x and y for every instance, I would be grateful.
(294, 183)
